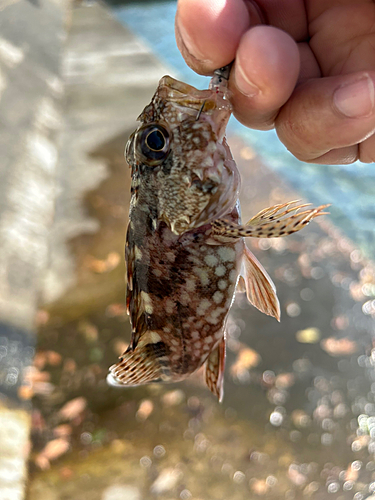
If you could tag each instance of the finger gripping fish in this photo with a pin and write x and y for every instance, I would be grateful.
(185, 249)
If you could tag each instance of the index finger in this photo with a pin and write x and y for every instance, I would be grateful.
(208, 32)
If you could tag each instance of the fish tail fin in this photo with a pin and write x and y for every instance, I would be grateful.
(214, 370)
(260, 290)
(148, 362)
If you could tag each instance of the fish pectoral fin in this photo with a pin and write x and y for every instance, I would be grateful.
(148, 362)
(260, 290)
(271, 222)
(214, 370)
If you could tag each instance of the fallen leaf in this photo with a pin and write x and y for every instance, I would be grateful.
(63, 430)
(53, 450)
(308, 335)
(53, 358)
(173, 398)
(114, 310)
(338, 347)
(89, 330)
(246, 358)
(145, 409)
(103, 266)
(166, 481)
(284, 380)
(73, 408)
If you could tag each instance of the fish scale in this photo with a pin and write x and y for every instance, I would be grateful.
(185, 248)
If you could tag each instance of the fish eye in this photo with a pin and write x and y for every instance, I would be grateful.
(153, 143)
(155, 140)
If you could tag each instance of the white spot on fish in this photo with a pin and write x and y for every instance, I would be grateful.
(227, 254)
(157, 272)
(195, 260)
(216, 312)
(212, 320)
(137, 253)
(184, 298)
(207, 162)
(218, 297)
(202, 275)
(233, 275)
(211, 260)
(203, 306)
(169, 306)
(222, 284)
(170, 256)
(211, 147)
(195, 335)
(147, 302)
(155, 337)
(190, 285)
(220, 270)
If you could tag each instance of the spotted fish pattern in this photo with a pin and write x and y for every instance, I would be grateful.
(185, 247)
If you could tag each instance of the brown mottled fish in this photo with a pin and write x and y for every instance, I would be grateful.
(185, 248)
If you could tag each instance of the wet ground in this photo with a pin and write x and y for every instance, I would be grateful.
(288, 426)
(298, 416)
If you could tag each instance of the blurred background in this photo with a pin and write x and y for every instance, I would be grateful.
(298, 416)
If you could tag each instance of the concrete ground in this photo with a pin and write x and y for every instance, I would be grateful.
(31, 90)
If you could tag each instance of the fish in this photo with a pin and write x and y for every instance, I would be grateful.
(185, 245)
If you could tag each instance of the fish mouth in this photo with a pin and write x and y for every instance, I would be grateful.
(212, 105)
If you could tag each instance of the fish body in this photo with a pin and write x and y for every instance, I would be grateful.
(185, 247)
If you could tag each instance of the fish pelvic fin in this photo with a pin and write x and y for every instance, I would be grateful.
(148, 362)
(271, 222)
(214, 370)
(260, 290)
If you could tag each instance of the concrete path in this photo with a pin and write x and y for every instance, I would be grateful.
(31, 42)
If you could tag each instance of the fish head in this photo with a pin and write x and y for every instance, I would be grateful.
(180, 157)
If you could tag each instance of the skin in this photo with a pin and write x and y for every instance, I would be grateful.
(305, 67)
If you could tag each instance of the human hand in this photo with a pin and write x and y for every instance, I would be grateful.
(306, 68)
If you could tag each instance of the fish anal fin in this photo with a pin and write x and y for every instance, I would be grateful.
(260, 290)
(241, 285)
(214, 370)
(148, 362)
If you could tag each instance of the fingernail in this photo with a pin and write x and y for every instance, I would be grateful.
(191, 47)
(355, 100)
(243, 83)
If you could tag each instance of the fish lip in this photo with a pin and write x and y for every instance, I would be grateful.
(189, 97)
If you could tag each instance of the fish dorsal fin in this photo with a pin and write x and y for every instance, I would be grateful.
(147, 363)
(214, 370)
(260, 290)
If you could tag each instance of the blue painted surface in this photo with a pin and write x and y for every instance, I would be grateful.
(350, 188)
